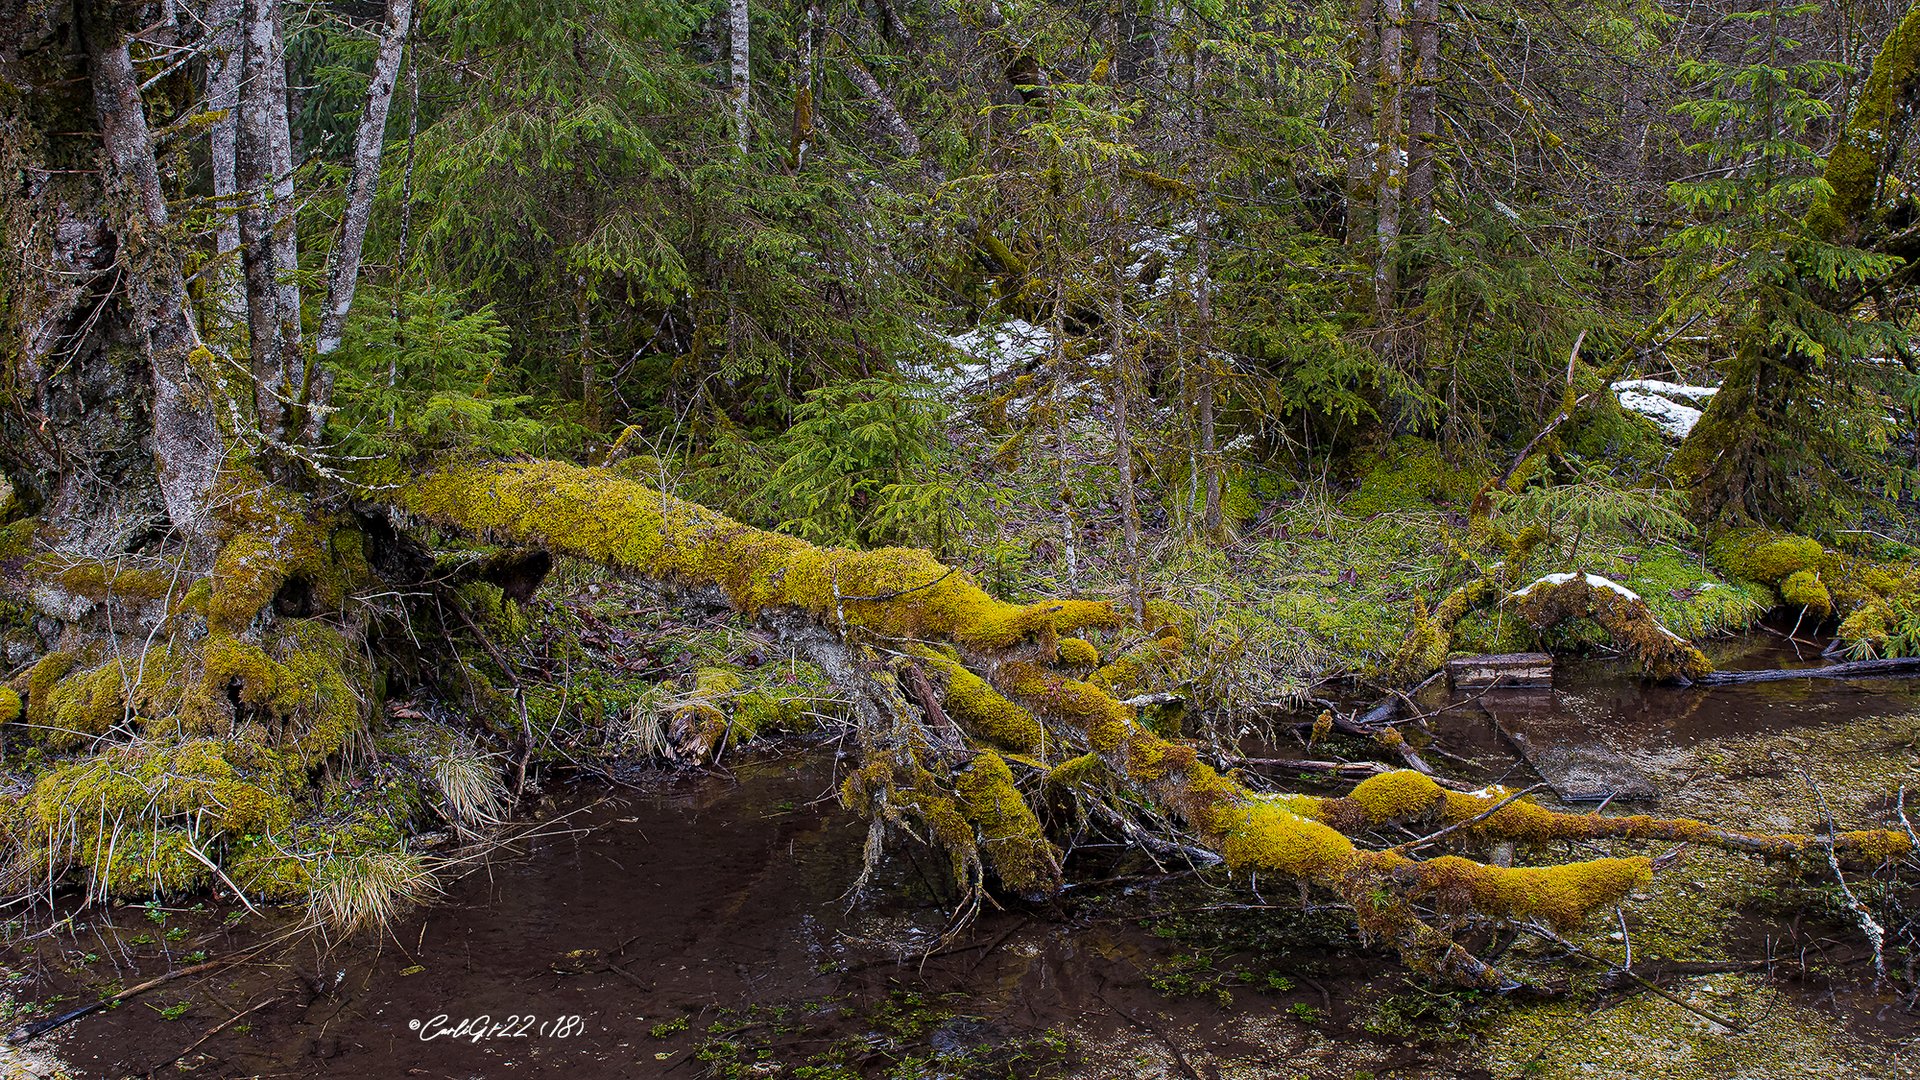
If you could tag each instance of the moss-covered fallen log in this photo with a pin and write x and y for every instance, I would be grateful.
(1007, 678)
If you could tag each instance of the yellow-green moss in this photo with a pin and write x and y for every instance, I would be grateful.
(230, 786)
(596, 514)
(1803, 589)
(1870, 136)
(1411, 474)
(1267, 834)
(141, 861)
(1402, 795)
(39, 681)
(271, 535)
(97, 579)
(1564, 895)
(262, 869)
(1087, 768)
(1077, 652)
(1764, 556)
(16, 539)
(981, 710)
(1014, 845)
(1860, 592)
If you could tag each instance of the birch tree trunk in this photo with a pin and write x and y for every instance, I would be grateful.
(803, 92)
(738, 25)
(223, 96)
(369, 142)
(1423, 106)
(1390, 177)
(187, 448)
(271, 254)
(889, 113)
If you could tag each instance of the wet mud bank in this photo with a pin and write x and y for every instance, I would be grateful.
(700, 925)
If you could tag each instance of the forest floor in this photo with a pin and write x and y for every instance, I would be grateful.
(698, 924)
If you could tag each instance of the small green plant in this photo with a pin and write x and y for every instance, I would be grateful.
(1305, 1013)
(1424, 1013)
(858, 466)
(668, 1028)
(172, 1012)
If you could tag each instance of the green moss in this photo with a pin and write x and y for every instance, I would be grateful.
(142, 861)
(271, 536)
(1803, 589)
(1011, 839)
(595, 514)
(1871, 134)
(1077, 652)
(1688, 599)
(97, 579)
(39, 682)
(1862, 593)
(981, 711)
(1764, 556)
(16, 538)
(1410, 474)
(261, 868)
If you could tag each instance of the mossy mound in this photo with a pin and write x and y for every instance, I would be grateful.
(1875, 602)
(1411, 474)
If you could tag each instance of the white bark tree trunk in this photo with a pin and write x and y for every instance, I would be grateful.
(738, 26)
(889, 113)
(343, 264)
(187, 448)
(265, 170)
(803, 92)
(223, 96)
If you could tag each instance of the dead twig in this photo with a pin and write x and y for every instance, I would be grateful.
(211, 1032)
(1469, 823)
(1870, 927)
(25, 1032)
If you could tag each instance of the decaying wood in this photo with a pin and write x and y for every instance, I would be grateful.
(1897, 668)
(1517, 670)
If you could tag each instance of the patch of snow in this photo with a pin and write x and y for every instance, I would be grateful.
(983, 351)
(1671, 417)
(1594, 581)
(1666, 389)
(1672, 406)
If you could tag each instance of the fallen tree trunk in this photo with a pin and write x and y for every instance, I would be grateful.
(1904, 667)
(1001, 662)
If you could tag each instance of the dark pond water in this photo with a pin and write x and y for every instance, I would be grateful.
(700, 925)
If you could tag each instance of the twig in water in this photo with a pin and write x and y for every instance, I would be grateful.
(1875, 934)
(1640, 980)
(211, 1032)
